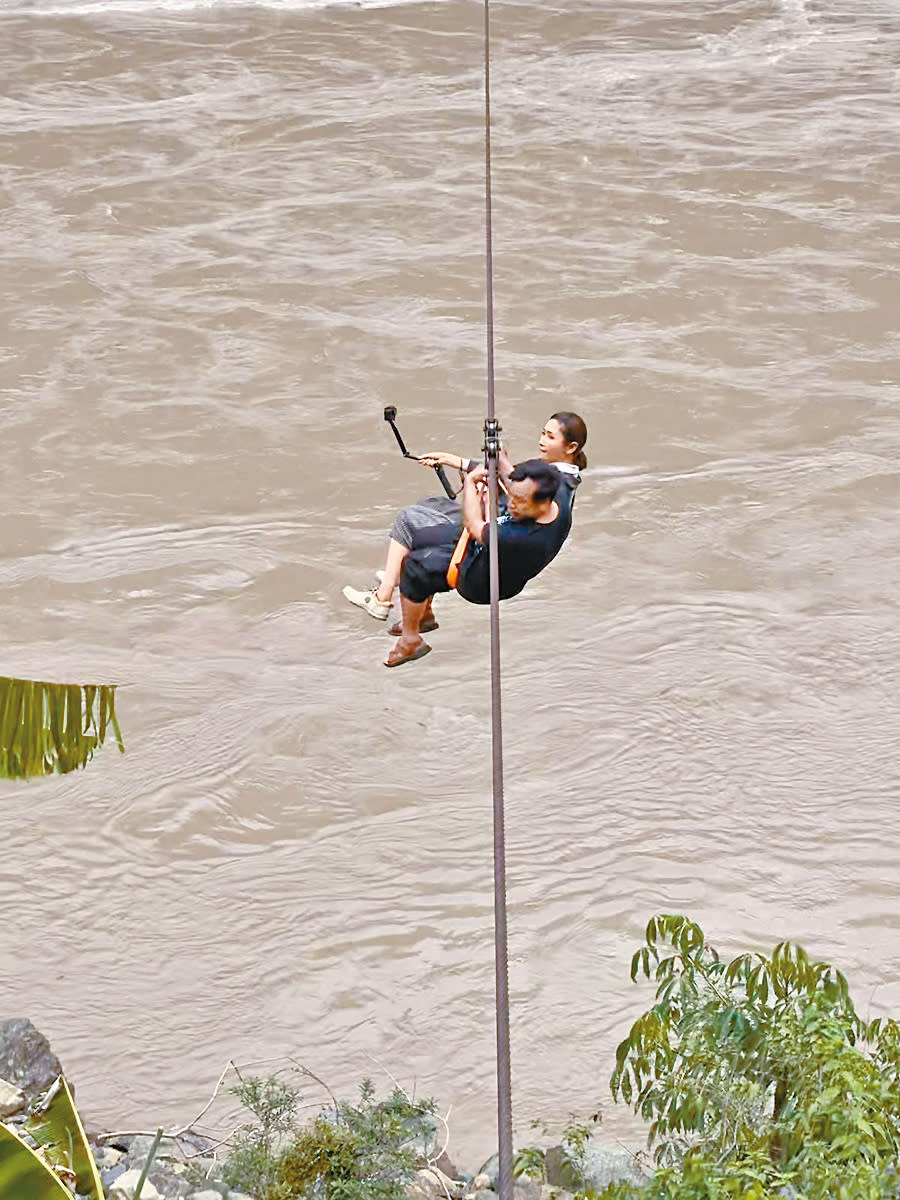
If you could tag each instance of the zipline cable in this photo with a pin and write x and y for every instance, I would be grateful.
(492, 450)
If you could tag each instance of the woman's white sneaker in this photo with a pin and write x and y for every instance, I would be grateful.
(379, 609)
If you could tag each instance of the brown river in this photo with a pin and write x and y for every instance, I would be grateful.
(229, 236)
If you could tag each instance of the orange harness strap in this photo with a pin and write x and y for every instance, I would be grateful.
(458, 555)
(462, 546)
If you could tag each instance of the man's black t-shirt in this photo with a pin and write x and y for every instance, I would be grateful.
(524, 548)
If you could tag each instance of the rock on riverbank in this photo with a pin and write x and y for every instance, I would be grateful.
(28, 1067)
(184, 1166)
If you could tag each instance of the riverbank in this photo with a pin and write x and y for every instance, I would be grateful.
(185, 1164)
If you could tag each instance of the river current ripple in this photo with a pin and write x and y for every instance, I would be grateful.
(229, 236)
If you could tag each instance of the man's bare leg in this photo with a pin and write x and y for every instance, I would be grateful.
(427, 615)
(412, 615)
(410, 639)
(393, 569)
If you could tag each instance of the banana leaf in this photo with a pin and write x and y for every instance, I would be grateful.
(52, 727)
(55, 1125)
(24, 1175)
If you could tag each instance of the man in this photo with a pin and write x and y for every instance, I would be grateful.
(529, 535)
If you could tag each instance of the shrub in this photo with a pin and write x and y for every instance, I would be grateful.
(253, 1163)
(757, 1076)
(366, 1151)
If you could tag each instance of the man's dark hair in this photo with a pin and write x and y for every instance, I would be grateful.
(546, 478)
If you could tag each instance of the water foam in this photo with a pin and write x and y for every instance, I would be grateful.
(767, 39)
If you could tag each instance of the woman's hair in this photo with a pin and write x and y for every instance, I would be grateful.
(573, 430)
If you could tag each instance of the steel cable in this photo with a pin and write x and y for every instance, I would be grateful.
(492, 447)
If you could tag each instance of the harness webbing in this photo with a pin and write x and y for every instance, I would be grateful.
(492, 448)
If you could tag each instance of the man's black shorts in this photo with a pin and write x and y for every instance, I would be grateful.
(425, 568)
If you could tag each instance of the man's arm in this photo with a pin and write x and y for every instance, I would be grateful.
(472, 514)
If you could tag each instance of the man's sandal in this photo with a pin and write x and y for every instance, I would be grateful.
(398, 657)
(426, 626)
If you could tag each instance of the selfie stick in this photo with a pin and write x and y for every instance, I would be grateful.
(390, 415)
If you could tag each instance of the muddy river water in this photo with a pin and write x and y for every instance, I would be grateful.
(229, 236)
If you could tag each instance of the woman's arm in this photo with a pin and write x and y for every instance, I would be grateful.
(441, 459)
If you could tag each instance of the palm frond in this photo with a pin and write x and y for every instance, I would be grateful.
(53, 727)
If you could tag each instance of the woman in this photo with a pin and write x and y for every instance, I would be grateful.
(432, 521)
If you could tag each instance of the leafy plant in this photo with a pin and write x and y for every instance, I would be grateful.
(364, 1151)
(758, 1075)
(64, 1156)
(529, 1163)
(24, 1174)
(253, 1164)
(55, 1125)
(48, 727)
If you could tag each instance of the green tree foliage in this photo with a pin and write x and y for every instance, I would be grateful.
(49, 727)
(364, 1151)
(757, 1076)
